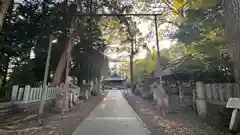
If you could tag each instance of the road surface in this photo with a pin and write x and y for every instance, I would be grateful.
(113, 116)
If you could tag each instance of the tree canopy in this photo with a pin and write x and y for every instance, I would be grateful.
(25, 40)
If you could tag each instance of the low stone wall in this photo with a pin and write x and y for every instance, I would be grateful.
(176, 104)
(27, 98)
(146, 93)
(34, 106)
(218, 114)
(211, 102)
(5, 105)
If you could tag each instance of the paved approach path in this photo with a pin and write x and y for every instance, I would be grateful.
(112, 117)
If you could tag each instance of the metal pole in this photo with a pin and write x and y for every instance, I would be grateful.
(156, 32)
(158, 49)
(44, 90)
(116, 14)
(131, 64)
(158, 65)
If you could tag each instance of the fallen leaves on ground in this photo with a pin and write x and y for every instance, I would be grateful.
(176, 128)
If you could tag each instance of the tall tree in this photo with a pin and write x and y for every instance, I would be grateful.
(232, 18)
(4, 4)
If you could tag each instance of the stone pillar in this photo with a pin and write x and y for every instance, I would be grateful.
(234, 124)
(91, 86)
(228, 91)
(87, 95)
(208, 90)
(215, 91)
(221, 91)
(154, 89)
(31, 94)
(20, 93)
(201, 101)
(14, 93)
(70, 99)
(235, 89)
(194, 100)
(38, 94)
(34, 93)
(181, 92)
(97, 89)
(26, 93)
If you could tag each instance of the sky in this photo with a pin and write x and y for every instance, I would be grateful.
(144, 28)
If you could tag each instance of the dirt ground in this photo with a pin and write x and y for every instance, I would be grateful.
(55, 123)
(186, 123)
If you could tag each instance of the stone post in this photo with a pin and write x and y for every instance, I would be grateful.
(194, 100)
(71, 99)
(215, 91)
(97, 89)
(30, 94)
(26, 93)
(221, 91)
(154, 85)
(39, 93)
(228, 91)
(181, 92)
(34, 93)
(208, 90)
(201, 101)
(20, 93)
(235, 89)
(14, 93)
(91, 86)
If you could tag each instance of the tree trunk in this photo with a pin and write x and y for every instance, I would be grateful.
(232, 18)
(5, 72)
(62, 62)
(61, 65)
(3, 10)
(8, 28)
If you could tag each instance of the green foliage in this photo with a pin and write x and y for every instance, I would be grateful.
(148, 65)
(201, 31)
(26, 29)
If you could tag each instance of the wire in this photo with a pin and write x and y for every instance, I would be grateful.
(117, 14)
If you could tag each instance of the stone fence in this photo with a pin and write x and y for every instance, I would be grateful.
(219, 93)
(28, 94)
(211, 100)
